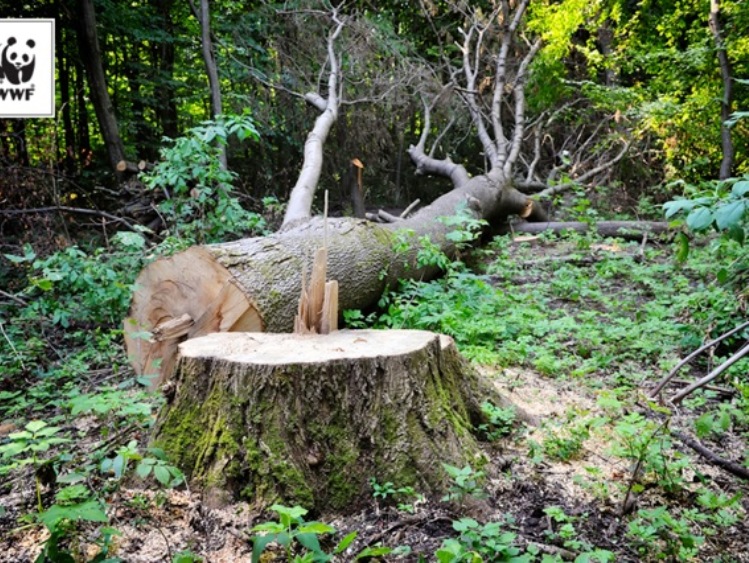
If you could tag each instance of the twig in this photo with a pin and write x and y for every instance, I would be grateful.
(410, 208)
(712, 457)
(418, 519)
(20, 359)
(720, 390)
(79, 210)
(20, 301)
(662, 383)
(712, 375)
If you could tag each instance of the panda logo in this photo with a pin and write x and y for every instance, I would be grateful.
(17, 61)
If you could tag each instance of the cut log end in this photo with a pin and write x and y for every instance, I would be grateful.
(184, 296)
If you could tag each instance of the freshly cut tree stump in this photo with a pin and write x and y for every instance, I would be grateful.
(308, 419)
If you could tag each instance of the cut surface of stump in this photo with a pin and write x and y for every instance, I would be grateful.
(309, 419)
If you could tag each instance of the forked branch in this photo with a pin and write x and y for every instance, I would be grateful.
(300, 199)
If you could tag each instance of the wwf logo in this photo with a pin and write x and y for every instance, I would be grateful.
(17, 61)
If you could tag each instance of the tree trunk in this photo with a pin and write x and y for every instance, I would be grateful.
(211, 69)
(310, 419)
(628, 230)
(254, 284)
(726, 101)
(91, 56)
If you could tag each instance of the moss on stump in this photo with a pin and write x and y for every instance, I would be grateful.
(308, 419)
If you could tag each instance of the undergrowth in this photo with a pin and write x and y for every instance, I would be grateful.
(608, 315)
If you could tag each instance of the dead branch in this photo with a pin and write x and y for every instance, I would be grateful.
(13, 298)
(628, 230)
(300, 200)
(78, 210)
(713, 458)
(552, 190)
(410, 208)
(427, 164)
(663, 382)
(712, 375)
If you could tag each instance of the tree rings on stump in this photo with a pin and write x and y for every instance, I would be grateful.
(308, 419)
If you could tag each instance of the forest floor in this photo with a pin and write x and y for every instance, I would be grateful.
(589, 470)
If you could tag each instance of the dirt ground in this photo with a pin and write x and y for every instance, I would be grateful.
(156, 525)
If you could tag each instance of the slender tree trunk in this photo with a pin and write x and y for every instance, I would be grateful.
(132, 74)
(204, 17)
(166, 107)
(19, 138)
(63, 66)
(726, 102)
(83, 137)
(92, 59)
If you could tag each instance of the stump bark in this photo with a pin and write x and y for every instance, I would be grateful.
(308, 419)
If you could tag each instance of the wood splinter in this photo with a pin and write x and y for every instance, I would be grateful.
(318, 303)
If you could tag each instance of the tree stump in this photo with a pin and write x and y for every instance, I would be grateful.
(308, 419)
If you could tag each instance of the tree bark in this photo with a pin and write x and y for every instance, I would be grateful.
(254, 284)
(627, 230)
(204, 17)
(299, 207)
(91, 56)
(309, 420)
(726, 102)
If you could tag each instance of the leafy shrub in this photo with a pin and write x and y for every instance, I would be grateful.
(199, 204)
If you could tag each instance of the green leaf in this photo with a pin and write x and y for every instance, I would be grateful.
(729, 215)
(292, 514)
(464, 524)
(346, 542)
(703, 426)
(316, 528)
(35, 426)
(162, 474)
(737, 233)
(89, 511)
(259, 543)
(700, 219)
(740, 189)
(376, 551)
(12, 449)
(671, 208)
(310, 541)
(118, 466)
(143, 469)
(269, 527)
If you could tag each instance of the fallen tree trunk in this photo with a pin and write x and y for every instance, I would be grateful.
(623, 229)
(254, 284)
(309, 419)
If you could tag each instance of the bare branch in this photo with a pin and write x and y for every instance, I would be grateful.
(427, 164)
(300, 199)
(549, 191)
(470, 91)
(663, 382)
(712, 375)
(519, 92)
(501, 78)
(78, 210)
(734, 468)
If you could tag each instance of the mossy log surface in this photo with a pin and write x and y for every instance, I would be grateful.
(308, 419)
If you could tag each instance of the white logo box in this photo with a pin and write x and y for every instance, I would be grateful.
(27, 68)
